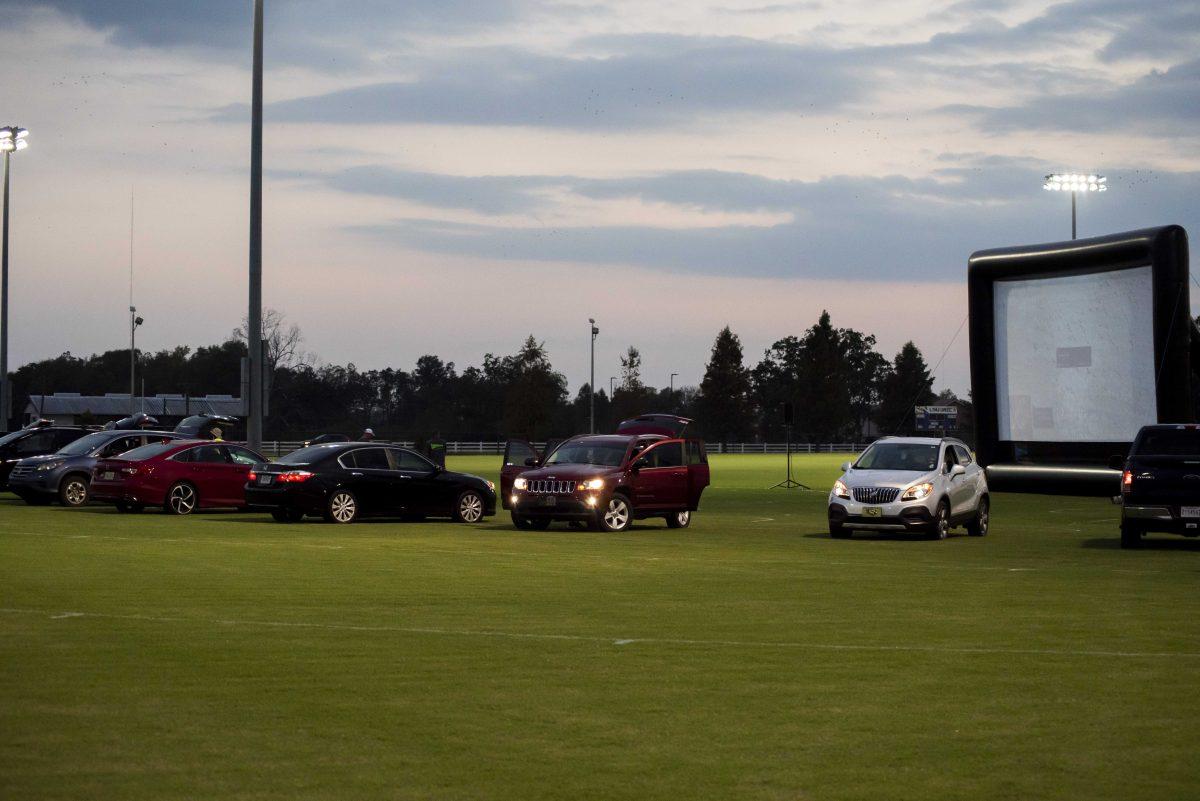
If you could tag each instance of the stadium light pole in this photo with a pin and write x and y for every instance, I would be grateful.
(254, 401)
(1074, 183)
(134, 322)
(592, 381)
(673, 389)
(12, 139)
(612, 379)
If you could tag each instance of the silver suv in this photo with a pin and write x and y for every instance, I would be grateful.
(926, 484)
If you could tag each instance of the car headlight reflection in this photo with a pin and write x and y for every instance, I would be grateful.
(520, 484)
(490, 485)
(917, 492)
(840, 489)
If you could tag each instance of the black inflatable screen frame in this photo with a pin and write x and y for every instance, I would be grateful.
(1079, 466)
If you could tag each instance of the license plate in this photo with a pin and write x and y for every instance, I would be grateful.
(108, 475)
(549, 500)
(1189, 511)
(265, 479)
(872, 511)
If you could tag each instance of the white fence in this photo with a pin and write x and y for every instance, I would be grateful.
(497, 448)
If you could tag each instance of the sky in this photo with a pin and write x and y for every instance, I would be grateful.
(449, 176)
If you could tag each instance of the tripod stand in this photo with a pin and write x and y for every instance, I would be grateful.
(789, 482)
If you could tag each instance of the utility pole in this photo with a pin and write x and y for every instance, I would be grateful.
(254, 399)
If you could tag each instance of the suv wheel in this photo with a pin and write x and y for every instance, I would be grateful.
(1130, 537)
(979, 526)
(616, 516)
(679, 520)
(939, 529)
(74, 491)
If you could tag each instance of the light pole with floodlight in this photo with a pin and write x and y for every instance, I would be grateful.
(12, 139)
(134, 322)
(611, 380)
(1074, 183)
(592, 381)
(254, 345)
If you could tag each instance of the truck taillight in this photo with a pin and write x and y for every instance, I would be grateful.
(293, 477)
(1126, 480)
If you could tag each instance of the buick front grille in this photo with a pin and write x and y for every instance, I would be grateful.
(875, 494)
(547, 487)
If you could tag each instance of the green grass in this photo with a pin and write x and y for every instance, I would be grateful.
(228, 657)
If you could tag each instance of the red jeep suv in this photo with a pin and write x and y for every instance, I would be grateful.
(608, 480)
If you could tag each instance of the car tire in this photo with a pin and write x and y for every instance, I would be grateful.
(129, 508)
(679, 519)
(978, 527)
(838, 531)
(287, 515)
(182, 499)
(616, 516)
(342, 507)
(74, 491)
(1131, 537)
(939, 529)
(468, 508)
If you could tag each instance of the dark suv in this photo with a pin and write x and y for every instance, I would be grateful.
(35, 440)
(66, 474)
(1160, 483)
(606, 481)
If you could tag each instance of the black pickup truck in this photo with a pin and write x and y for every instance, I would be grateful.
(1160, 483)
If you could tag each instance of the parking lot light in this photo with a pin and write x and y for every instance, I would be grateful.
(1075, 183)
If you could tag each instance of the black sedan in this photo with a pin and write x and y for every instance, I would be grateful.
(343, 481)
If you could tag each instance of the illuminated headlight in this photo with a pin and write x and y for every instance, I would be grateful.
(591, 500)
(520, 484)
(490, 485)
(592, 484)
(917, 492)
(840, 489)
(44, 466)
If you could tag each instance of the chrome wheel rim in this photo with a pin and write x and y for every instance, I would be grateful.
(683, 518)
(943, 523)
(470, 508)
(342, 507)
(616, 516)
(983, 519)
(183, 499)
(75, 492)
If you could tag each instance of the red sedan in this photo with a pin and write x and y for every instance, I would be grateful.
(181, 476)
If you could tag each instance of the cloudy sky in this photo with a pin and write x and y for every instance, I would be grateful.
(448, 176)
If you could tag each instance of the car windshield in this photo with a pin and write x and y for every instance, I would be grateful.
(1168, 442)
(304, 456)
(85, 445)
(910, 456)
(7, 438)
(147, 451)
(606, 454)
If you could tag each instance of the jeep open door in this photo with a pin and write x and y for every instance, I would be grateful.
(517, 455)
(698, 473)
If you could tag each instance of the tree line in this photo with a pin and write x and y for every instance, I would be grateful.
(840, 386)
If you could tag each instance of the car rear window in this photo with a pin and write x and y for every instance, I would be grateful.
(1169, 442)
(147, 451)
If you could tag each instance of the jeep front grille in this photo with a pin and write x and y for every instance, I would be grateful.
(548, 487)
(875, 494)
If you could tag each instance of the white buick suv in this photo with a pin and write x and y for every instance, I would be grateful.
(927, 484)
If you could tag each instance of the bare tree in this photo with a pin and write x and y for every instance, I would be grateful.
(281, 340)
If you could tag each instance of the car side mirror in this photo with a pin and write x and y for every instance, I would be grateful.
(531, 462)
(845, 467)
(1116, 462)
(957, 470)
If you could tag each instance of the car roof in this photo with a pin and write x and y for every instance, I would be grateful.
(922, 440)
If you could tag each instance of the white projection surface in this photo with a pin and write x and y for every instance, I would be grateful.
(1075, 357)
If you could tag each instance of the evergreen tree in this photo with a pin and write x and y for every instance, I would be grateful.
(725, 406)
(908, 384)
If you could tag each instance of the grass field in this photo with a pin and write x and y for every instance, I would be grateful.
(228, 657)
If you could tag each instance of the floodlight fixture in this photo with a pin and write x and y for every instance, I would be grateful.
(13, 138)
(1075, 183)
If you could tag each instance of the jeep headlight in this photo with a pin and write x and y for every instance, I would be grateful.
(520, 484)
(917, 492)
(44, 466)
(591, 484)
(840, 489)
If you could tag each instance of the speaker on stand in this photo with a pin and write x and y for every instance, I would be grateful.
(789, 418)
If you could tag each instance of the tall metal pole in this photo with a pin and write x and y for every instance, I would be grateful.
(132, 360)
(254, 399)
(5, 389)
(592, 380)
(1072, 214)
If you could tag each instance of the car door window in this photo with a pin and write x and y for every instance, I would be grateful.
(950, 459)
(371, 459)
(669, 454)
(964, 456)
(696, 453)
(209, 454)
(120, 445)
(241, 455)
(41, 442)
(64, 437)
(517, 451)
(407, 460)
